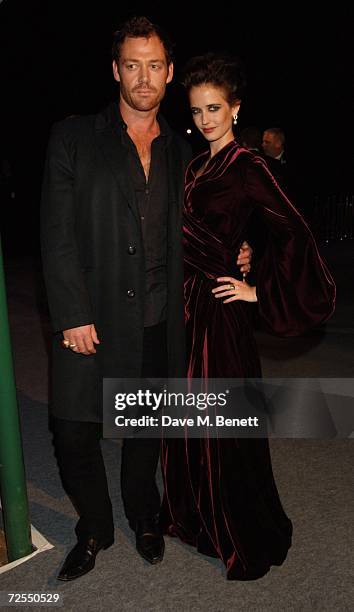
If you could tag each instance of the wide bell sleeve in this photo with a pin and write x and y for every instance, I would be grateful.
(295, 289)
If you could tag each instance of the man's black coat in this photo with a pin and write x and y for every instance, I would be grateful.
(93, 259)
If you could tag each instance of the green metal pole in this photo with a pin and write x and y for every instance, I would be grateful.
(12, 473)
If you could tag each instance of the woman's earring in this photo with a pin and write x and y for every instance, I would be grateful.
(235, 119)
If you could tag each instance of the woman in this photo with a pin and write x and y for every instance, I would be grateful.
(220, 494)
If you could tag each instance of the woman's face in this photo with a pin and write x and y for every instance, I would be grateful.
(212, 114)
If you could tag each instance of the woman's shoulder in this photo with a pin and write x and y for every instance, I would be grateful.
(231, 158)
(247, 157)
(238, 158)
(248, 163)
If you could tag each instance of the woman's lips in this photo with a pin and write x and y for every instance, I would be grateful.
(208, 130)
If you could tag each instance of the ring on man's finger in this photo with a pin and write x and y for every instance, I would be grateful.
(72, 345)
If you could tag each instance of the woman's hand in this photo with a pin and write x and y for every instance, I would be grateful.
(244, 258)
(234, 290)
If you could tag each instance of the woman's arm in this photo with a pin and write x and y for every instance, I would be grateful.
(295, 290)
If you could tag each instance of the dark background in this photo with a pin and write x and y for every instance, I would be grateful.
(56, 61)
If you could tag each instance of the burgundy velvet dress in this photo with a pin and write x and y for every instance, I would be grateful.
(220, 495)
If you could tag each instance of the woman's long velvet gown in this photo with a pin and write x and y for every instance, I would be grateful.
(220, 495)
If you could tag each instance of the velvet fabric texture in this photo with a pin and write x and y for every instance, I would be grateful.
(220, 494)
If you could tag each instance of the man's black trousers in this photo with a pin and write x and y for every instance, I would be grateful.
(79, 456)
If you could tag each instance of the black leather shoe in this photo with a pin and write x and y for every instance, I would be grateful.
(149, 541)
(81, 559)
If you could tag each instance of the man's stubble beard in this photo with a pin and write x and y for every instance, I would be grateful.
(135, 101)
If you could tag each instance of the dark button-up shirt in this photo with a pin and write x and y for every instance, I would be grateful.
(152, 201)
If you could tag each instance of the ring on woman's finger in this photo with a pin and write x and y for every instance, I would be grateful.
(231, 286)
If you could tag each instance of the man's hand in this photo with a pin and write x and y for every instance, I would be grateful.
(81, 339)
(244, 258)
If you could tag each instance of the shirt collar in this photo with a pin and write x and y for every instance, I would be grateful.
(165, 130)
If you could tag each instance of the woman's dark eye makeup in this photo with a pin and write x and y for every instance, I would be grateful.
(211, 107)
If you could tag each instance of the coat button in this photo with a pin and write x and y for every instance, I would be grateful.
(131, 249)
(131, 293)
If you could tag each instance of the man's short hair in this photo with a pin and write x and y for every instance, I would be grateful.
(277, 132)
(140, 27)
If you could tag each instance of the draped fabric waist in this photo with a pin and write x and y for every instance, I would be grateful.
(206, 253)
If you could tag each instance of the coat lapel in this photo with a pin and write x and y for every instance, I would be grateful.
(109, 141)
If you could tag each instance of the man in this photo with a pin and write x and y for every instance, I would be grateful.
(290, 178)
(273, 147)
(113, 265)
(273, 144)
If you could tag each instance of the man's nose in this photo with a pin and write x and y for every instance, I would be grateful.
(143, 74)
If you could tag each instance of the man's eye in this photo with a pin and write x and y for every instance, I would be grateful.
(155, 66)
(130, 66)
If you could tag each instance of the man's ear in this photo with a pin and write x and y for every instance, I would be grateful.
(115, 71)
(170, 73)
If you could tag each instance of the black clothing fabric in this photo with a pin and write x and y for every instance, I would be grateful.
(152, 200)
(94, 262)
(81, 465)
